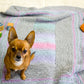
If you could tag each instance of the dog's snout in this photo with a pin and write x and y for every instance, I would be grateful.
(18, 56)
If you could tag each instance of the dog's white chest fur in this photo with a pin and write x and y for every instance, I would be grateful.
(18, 63)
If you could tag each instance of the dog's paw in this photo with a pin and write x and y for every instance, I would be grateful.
(7, 76)
(23, 77)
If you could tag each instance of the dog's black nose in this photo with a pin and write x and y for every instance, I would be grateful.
(18, 57)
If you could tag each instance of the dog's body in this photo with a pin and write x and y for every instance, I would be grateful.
(18, 55)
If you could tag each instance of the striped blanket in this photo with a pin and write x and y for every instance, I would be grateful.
(59, 44)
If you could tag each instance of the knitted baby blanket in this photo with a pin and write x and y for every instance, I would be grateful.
(59, 44)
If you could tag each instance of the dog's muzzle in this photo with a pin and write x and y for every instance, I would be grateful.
(18, 58)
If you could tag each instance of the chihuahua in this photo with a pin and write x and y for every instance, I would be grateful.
(18, 54)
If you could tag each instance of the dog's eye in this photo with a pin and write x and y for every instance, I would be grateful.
(13, 49)
(24, 51)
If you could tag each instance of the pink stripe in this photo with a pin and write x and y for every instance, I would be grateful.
(44, 46)
(74, 39)
(40, 79)
(74, 42)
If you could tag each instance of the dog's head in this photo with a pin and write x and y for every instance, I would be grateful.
(19, 49)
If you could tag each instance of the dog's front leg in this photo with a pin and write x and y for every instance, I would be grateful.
(8, 74)
(23, 77)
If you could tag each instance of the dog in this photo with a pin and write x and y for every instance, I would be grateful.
(18, 54)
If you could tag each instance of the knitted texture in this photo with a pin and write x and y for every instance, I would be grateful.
(58, 45)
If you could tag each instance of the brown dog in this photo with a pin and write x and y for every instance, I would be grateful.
(18, 54)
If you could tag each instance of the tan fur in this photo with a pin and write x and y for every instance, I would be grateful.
(19, 46)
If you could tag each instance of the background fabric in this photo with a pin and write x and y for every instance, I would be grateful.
(5, 4)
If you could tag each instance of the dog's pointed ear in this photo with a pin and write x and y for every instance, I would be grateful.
(12, 34)
(30, 38)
